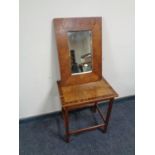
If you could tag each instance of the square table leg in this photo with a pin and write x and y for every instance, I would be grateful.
(108, 114)
(66, 123)
(94, 107)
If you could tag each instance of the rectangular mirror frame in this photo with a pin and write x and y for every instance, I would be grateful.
(62, 26)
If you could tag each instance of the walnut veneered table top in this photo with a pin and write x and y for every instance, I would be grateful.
(86, 93)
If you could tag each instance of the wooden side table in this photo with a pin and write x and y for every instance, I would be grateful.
(82, 95)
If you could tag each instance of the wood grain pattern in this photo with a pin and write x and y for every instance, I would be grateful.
(62, 26)
(86, 93)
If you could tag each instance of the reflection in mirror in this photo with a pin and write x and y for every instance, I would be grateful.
(80, 46)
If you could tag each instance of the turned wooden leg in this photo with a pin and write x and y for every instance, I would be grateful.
(66, 123)
(108, 114)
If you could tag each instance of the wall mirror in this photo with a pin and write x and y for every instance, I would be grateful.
(80, 48)
(79, 45)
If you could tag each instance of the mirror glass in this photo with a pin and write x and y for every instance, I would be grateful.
(80, 48)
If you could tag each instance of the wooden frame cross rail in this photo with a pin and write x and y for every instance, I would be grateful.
(102, 126)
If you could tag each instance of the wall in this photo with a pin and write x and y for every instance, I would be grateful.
(39, 68)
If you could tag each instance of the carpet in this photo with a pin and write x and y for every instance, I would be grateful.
(46, 136)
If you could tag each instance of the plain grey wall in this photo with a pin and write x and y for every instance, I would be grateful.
(39, 68)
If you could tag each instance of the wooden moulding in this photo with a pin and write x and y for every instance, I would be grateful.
(62, 26)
